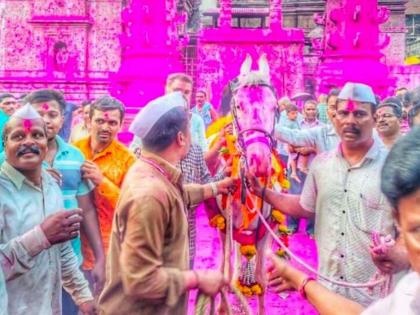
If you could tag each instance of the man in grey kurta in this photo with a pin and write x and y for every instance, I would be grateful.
(36, 258)
(342, 191)
(3, 294)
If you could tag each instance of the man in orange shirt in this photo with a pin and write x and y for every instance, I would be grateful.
(107, 162)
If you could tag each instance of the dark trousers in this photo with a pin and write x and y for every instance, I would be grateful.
(69, 307)
(296, 189)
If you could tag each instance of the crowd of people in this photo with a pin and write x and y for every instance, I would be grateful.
(90, 225)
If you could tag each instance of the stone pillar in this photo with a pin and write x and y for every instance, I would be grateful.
(150, 51)
(71, 46)
(222, 50)
(275, 14)
(225, 17)
(353, 44)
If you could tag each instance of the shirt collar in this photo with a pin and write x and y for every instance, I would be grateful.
(173, 173)
(62, 147)
(310, 124)
(331, 130)
(372, 153)
(85, 147)
(2, 113)
(62, 150)
(17, 178)
(108, 150)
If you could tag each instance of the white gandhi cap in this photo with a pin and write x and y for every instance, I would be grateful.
(153, 111)
(26, 112)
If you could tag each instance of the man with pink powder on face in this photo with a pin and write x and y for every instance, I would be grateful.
(35, 256)
(107, 162)
(342, 191)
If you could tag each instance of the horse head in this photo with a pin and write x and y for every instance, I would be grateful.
(253, 105)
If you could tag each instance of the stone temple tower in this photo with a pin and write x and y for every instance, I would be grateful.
(352, 45)
(150, 43)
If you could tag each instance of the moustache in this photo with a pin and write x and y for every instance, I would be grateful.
(352, 130)
(28, 149)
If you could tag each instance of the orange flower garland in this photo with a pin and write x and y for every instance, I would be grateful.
(277, 181)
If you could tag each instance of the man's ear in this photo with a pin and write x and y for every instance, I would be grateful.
(89, 122)
(180, 139)
(62, 119)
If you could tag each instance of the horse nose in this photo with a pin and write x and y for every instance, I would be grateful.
(254, 160)
(257, 165)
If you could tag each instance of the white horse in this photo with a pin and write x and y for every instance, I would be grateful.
(251, 100)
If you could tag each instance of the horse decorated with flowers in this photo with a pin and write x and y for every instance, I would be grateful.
(250, 106)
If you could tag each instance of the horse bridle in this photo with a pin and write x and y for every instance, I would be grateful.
(243, 144)
(267, 136)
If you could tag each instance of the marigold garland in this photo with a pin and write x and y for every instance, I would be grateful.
(248, 251)
(277, 181)
(249, 291)
(218, 221)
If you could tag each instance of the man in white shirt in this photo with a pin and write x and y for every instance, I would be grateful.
(400, 182)
(342, 192)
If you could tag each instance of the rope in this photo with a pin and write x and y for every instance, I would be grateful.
(225, 301)
(310, 268)
(203, 301)
(228, 238)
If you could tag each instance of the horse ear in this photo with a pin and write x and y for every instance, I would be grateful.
(246, 65)
(263, 66)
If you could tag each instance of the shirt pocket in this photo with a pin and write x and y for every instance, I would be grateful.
(371, 213)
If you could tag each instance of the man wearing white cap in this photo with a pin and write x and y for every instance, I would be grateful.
(36, 258)
(342, 191)
(147, 266)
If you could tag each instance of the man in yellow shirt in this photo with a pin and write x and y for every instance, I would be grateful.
(107, 162)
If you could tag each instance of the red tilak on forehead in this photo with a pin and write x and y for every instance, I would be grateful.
(106, 115)
(27, 124)
(351, 106)
(45, 106)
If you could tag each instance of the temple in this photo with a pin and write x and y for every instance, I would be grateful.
(88, 48)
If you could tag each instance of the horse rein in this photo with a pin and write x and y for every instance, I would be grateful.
(267, 136)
